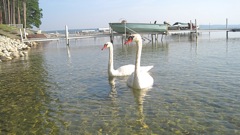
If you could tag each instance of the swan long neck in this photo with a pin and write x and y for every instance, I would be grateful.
(138, 56)
(110, 62)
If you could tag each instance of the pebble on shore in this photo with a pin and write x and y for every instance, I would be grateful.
(12, 48)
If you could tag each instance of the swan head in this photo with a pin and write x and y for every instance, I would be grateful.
(107, 45)
(133, 38)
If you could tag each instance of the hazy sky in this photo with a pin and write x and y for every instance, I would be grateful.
(78, 14)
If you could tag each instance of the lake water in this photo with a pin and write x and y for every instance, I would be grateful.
(66, 90)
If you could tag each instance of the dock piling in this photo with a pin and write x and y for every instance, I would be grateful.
(196, 29)
(66, 32)
(191, 25)
(226, 28)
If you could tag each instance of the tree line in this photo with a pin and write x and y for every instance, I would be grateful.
(26, 12)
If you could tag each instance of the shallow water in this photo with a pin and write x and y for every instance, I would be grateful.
(66, 90)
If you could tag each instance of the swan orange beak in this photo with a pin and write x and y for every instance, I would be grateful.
(130, 39)
(104, 46)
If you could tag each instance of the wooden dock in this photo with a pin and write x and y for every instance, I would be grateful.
(70, 37)
(111, 35)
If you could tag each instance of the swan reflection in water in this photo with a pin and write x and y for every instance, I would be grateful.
(139, 99)
(138, 96)
(113, 92)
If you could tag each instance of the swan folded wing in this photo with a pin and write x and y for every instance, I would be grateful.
(129, 69)
(145, 68)
(125, 70)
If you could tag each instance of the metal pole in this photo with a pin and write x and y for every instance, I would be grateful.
(190, 25)
(125, 31)
(111, 34)
(152, 37)
(227, 34)
(25, 34)
(196, 28)
(21, 35)
(209, 27)
(66, 32)
(226, 28)
(125, 36)
(226, 23)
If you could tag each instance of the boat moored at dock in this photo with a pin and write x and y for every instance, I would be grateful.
(139, 28)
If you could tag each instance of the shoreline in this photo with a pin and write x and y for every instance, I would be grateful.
(13, 48)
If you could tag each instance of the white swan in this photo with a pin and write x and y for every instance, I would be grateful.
(123, 70)
(139, 79)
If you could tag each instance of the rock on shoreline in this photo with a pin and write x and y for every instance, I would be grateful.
(12, 48)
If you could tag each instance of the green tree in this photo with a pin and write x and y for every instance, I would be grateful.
(34, 14)
(28, 12)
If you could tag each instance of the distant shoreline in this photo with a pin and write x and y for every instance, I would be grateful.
(203, 26)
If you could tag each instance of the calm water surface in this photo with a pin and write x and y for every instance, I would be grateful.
(66, 90)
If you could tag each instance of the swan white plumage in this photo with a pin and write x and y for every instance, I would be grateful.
(138, 79)
(123, 70)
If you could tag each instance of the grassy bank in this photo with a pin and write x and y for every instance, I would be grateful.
(11, 31)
